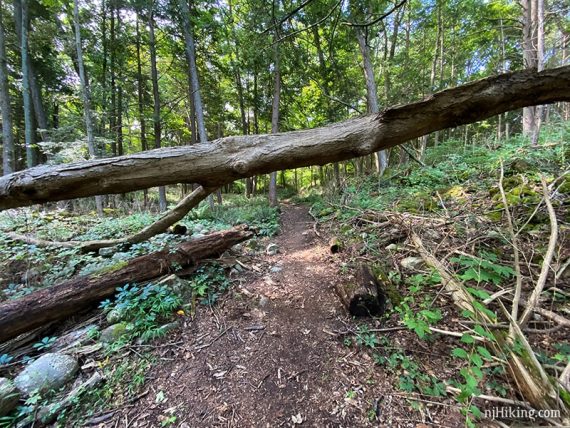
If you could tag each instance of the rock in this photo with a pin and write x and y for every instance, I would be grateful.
(75, 338)
(176, 284)
(106, 252)
(9, 396)
(276, 269)
(113, 332)
(263, 301)
(122, 256)
(116, 315)
(198, 235)
(392, 247)
(49, 372)
(412, 263)
(252, 244)
(272, 249)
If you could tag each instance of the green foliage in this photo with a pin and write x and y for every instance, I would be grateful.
(208, 283)
(45, 343)
(484, 269)
(412, 378)
(5, 359)
(419, 316)
(147, 308)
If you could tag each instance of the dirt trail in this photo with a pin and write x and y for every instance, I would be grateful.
(269, 362)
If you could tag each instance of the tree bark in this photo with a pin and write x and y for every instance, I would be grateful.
(8, 158)
(31, 158)
(225, 160)
(275, 123)
(371, 92)
(35, 91)
(69, 297)
(156, 101)
(365, 296)
(86, 95)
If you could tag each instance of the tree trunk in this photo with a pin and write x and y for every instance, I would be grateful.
(371, 92)
(67, 298)
(222, 161)
(31, 159)
(364, 296)
(141, 98)
(8, 158)
(35, 91)
(112, 72)
(190, 50)
(529, 61)
(156, 101)
(86, 95)
(275, 123)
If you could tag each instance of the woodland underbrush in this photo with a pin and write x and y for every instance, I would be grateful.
(472, 250)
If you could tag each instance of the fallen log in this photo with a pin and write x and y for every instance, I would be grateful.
(64, 299)
(227, 159)
(365, 296)
(334, 245)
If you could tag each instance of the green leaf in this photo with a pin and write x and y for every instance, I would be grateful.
(467, 338)
(484, 353)
(460, 353)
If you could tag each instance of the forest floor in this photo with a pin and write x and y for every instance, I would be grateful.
(269, 354)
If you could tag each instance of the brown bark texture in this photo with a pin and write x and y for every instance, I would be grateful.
(365, 296)
(224, 160)
(67, 298)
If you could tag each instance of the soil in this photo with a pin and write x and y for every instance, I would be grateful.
(269, 353)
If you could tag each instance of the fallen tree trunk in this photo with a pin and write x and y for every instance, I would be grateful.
(161, 225)
(222, 161)
(64, 299)
(363, 297)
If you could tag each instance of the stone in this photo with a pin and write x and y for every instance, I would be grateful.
(49, 372)
(106, 252)
(113, 332)
(198, 235)
(122, 256)
(252, 244)
(263, 301)
(272, 249)
(412, 263)
(9, 396)
(116, 315)
(276, 269)
(392, 247)
(75, 338)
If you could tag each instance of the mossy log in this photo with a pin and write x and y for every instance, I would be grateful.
(334, 245)
(365, 296)
(67, 298)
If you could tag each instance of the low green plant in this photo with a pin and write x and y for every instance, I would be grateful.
(146, 307)
(5, 359)
(419, 316)
(209, 283)
(45, 343)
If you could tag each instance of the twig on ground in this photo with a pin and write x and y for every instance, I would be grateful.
(515, 245)
(535, 296)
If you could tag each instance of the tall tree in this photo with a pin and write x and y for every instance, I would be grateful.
(22, 21)
(371, 88)
(6, 106)
(190, 50)
(141, 94)
(156, 98)
(31, 158)
(533, 57)
(85, 95)
(275, 118)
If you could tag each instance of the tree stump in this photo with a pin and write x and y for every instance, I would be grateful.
(365, 296)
